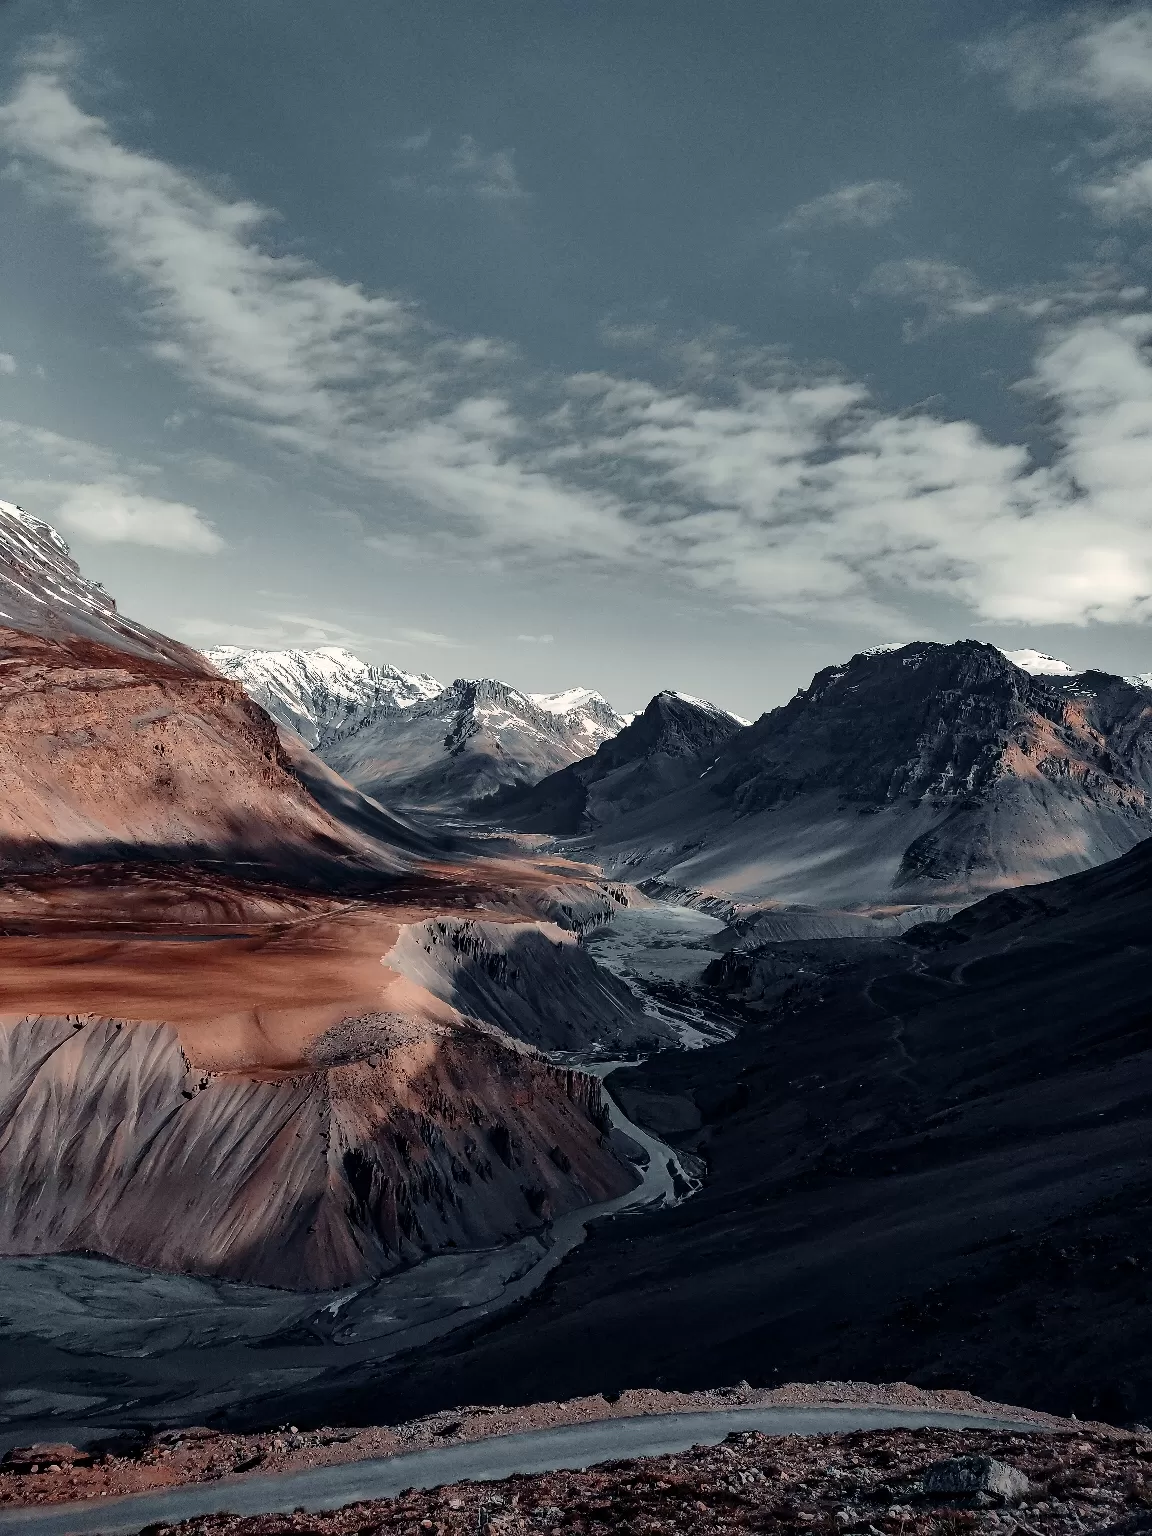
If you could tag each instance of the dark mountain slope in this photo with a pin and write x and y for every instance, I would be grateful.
(927, 1160)
(662, 750)
(928, 773)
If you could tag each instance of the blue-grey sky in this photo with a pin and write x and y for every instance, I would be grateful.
(570, 341)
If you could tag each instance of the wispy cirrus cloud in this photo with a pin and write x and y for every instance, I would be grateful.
(944, 292)
(859, 205)
(1099, 62)
(467, 170)
(738, 474)
(276, 629)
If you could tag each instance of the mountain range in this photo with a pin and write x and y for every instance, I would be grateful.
(923, 773)
(295, 993)
(409, 738)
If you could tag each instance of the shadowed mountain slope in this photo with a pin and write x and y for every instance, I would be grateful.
(663, 749)
(927, 1161)
(921, 774)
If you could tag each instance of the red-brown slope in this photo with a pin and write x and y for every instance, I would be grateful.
(112, 1142)
(105, 755)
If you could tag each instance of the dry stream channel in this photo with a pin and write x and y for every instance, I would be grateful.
(88, 1345)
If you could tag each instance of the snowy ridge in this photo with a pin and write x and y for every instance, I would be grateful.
(43, 591)
(1040, 664)
(588, 713)
(321, 694)
(690, 698)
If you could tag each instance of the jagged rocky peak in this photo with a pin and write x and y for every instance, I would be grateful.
(469, 741)
(321, 694)
(586, 710)
(43, 592)
(661, 750)
(928, 720)
(675, 724)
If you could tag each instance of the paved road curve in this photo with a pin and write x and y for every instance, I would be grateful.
(545, 1450)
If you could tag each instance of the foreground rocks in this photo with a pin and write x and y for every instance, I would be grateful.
(140, 1460)
(869, 1482)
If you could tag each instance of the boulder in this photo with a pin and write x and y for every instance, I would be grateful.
(967, 1476)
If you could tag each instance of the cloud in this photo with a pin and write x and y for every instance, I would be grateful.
(107, 515)
(862, 205)
(278, 630)
(469, 170)
(1126, 194)
(489, 173)
(739, 474)
(1102, 63)
(1080, 58)
(8, 365)
(945, 292)
(536, 639)
(92, 493)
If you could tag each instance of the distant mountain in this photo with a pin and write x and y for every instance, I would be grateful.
(320, 694)
(661, 750)
(922, 773)
(469, 741)
(43, 592)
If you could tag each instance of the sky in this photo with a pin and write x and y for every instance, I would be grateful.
(630, 345)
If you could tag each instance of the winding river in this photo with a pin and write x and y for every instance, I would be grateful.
(90, 1345)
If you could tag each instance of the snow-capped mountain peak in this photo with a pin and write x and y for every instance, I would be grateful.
(690, 698)
(587, 712)
(1040, 664)
(321, 694)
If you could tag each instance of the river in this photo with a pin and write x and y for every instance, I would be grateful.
(89, 1345)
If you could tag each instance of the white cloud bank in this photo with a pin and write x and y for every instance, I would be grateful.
(110, 516)
(89, 492)
(797, 494)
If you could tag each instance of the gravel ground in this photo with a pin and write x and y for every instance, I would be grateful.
(135, 1464)
(1077, 1481)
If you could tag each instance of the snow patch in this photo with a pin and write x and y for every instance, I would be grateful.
(1040, 664)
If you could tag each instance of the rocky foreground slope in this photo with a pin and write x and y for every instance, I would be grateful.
(898, 1482)
(919, 774)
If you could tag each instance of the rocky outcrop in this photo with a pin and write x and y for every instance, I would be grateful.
(662, 750)
(113, 1141)
(531, 980)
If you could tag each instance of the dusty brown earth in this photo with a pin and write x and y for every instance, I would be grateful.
(210, 1077)
(177, 1457)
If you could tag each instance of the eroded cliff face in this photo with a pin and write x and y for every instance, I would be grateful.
(531, 980)
(401, 1144)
